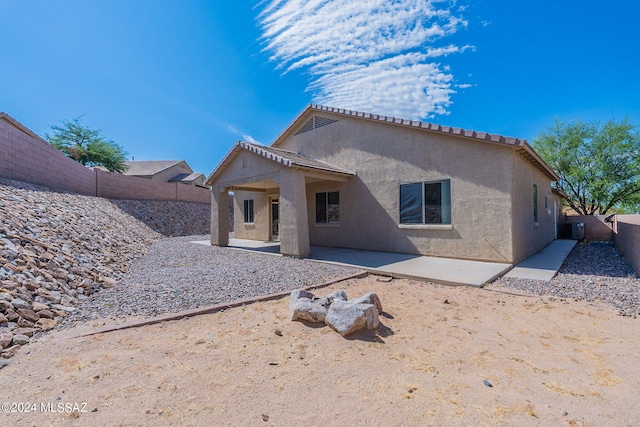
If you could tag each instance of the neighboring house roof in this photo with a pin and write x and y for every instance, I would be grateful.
(284, 157)
(151, 167)
(186, 177)
(22, 127)
(521, 145)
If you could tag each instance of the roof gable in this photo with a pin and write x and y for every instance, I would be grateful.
(277, 155)
(152, 167)
(521, 145)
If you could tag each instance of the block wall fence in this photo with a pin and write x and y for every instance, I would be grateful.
(24, 156)
(627, 236)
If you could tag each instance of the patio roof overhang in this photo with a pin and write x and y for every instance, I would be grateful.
(313, 169)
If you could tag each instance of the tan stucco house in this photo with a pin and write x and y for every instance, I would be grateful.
(165, 171)
(348, 179)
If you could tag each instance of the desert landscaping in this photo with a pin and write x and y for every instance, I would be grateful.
(512, 353)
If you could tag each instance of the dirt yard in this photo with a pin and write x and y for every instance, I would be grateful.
(443, 356)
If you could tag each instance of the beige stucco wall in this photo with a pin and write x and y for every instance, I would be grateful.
(529, 236)
(259, 229)
(248, 164)
(383, 157)
(488, 223)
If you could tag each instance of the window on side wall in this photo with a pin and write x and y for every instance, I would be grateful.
(427, 202)
(535, 203)
(248, 211)
(328, 207)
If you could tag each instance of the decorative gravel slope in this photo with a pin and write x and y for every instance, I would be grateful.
(177, 275)
(594, 272)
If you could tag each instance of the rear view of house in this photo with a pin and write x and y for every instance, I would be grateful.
(355, 180)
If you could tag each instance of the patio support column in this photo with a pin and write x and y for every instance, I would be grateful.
(294, 222)
(219, 217)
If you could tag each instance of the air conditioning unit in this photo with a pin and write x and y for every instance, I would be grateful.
(577, 230)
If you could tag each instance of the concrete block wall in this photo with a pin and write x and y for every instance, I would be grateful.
(24, 156)
(627, 238)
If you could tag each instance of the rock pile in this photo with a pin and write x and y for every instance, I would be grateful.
(336, 311)
(170, 218)
(56, 249)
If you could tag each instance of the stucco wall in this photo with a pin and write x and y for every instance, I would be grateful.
(627, 238)
(28, 159)
(383, 157)
(530, 236)
(260, 228)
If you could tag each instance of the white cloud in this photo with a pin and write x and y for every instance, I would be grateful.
(245, 136)
(368, 55)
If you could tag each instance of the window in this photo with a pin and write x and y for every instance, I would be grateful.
(328, 208)
(425, 202)
(248, 211)
(535, 203)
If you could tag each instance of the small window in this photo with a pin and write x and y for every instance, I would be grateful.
(328, 207)
(535, 203)
(248, 211)
(425, 202)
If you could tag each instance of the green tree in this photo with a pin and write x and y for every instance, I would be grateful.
(87, 146)
(599, 166)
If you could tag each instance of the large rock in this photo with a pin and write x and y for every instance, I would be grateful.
(346, 317)
(304, 305)
(370, 298)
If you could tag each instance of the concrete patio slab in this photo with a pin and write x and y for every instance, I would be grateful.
(446, 271)
(544, 264)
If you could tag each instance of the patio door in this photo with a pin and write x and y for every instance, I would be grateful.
(275, 214)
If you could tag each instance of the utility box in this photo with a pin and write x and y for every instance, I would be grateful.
(577, 230)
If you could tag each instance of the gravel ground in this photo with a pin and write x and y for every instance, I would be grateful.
(178, 275)
(594, 272)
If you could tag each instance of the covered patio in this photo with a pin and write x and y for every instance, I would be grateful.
(277, 181)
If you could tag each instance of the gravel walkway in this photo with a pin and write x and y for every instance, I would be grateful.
(594, 272)
(178, 275)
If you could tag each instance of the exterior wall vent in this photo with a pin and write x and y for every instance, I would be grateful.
(307, 126)
(314, 123)
(323, 121)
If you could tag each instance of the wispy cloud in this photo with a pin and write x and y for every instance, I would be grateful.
(368, 55)
(245, 136)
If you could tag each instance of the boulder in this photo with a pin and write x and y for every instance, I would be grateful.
(304, 305)
(346, 317)
(370, 298)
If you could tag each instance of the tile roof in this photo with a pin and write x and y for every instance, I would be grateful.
(150, 167)
(291, 159)
(186, 177)
(522, 145)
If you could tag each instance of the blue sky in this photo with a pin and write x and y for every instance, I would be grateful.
(186, 79)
